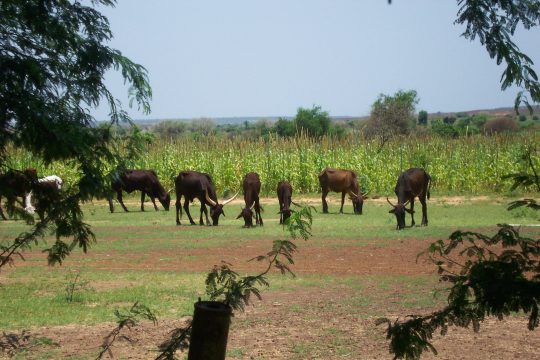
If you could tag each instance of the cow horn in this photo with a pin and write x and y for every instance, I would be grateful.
(208, 200)
(390, 202)
(365, 193)
(353, 194)
(231, 199)
(171, 189)
(406, 202)
(252, 206)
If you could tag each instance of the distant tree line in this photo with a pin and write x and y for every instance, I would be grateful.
(391, 116)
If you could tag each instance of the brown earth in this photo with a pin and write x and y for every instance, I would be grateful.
(305, 323)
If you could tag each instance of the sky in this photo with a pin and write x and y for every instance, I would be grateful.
(215, 58)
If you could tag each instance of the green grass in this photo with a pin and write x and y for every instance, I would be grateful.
(34, 294)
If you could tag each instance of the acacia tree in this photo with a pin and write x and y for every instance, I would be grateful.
(391, 115)
(53, 59)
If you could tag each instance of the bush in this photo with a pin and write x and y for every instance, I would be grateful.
(522, 118)
(443, 129)
(422, 117)
(503, 124)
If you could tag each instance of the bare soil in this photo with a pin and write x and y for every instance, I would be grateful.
(308, 323)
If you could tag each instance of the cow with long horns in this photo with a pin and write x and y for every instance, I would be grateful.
(284, 193)
(412, 183)
(345, 182)
(196, 185)
(252, 188)
(145, 181)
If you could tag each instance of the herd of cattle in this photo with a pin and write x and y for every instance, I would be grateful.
(193, 185)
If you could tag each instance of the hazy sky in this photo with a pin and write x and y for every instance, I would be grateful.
(216, 58)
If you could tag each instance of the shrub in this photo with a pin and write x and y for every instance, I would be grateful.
(443, 129)
(503, 124)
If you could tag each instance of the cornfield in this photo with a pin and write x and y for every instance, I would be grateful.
(469, 165)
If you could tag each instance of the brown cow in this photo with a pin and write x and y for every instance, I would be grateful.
(15, 183)
(345, 182)
(252, 189)
(411, 183)
(284, 193)
(146, 181)
(196, 185)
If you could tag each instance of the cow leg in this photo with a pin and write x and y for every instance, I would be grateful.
(342, 202)
(205, 210)
(119, 197)
(178, 208)
(424, 210)
(154, 202)
(2, 211)
(324, 203)
(280, 213)
(143, 194)
(111, 206)
(258, 213)
(186, 208)
(412, 212)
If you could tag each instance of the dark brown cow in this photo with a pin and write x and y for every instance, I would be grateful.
(252, 188)
(14, 184)
(412, 183)
(284, 193)
(145, 181)
(195, 185)
(345, 182)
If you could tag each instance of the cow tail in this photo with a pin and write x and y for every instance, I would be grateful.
(429, 185)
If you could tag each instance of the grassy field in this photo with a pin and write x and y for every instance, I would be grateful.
(358, 266)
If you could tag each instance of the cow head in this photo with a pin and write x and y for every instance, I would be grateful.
(248, 215)
(216, 209)
(286, 214)
(166, 200)
(399, 210)
(358, 201)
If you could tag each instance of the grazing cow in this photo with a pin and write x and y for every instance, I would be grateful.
(195, 185)
(284, 194)
(410, 184)
(252, 188)
(15, 184)
(146, 181)
(345, 182)
(47, 191)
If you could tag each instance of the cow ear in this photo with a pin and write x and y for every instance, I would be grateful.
(239, 216)
(409, 211)
(223, 212)
(393, 211)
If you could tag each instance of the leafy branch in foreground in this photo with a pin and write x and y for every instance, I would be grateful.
(227, 286)
(127, 320)
(490, 276)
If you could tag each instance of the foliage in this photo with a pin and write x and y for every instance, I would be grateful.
(487, 283)
(443, 129)
(503, 124)
(126, 319)
(225, 285)
(494, 24)
(75, 285)
(313, 122)
(471, 164)
(391, 115)
(53, 63)
(422, 117)
(499, 276)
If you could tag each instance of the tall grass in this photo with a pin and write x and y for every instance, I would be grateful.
(465, 165)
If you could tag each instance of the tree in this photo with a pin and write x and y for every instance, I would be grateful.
(284, 127)
(314, 121)
(391, 115)
(53, 62)
(422, 117)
